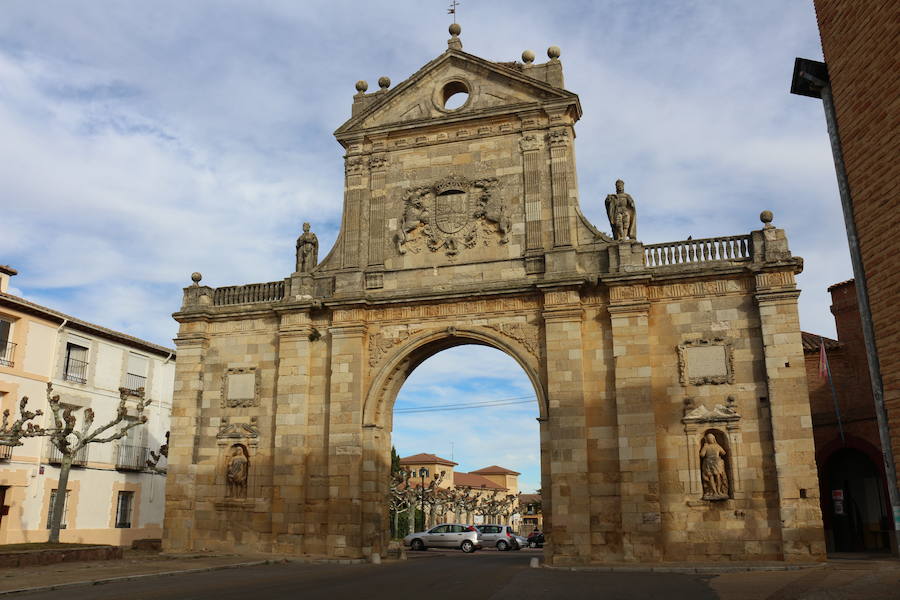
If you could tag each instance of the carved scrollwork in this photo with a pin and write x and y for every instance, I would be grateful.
(355, 165)
(451, 214)
(380, 343)
(229, 430)
(527, 335)
(559, 137)
(530, 141)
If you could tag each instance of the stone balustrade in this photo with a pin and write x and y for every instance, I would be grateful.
(731, 248)
(272, 291)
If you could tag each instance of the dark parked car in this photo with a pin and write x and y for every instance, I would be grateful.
(536, 539)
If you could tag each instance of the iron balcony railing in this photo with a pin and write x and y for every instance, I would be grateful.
(54, 456)
(732, 248)
(76, 370)
(7, 352)
(133, 382)
(132, 458)
(5, 452)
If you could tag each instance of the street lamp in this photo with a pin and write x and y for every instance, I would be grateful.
(423, 473)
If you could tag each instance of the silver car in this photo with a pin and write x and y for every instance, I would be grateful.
(446, 535)
(500, 536)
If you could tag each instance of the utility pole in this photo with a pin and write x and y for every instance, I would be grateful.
(811, 79)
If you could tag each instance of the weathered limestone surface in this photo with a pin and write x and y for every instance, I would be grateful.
(463, 227)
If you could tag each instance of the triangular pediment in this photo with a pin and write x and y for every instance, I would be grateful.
(492, 88)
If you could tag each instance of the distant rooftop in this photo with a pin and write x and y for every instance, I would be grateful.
(424, 458)
(811, 342)
(475, 481)
(495, 470)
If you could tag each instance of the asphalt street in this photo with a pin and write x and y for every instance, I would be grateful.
(431, 575)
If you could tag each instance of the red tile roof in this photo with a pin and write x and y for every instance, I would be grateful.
(811, 343)
(475, 481)
(426, 459)
(840, 284)
(495, 470)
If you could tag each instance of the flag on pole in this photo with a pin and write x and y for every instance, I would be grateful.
(823, 360)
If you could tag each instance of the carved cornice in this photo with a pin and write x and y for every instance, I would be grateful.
(627, 293)
(564, 314)
(629, 308)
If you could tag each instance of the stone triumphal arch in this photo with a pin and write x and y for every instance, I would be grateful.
(670, 376)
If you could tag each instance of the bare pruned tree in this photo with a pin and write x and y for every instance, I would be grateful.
(23, 427)
(155, 457)
(69, 439)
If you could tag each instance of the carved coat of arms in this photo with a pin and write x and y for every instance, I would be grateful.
(452, 214)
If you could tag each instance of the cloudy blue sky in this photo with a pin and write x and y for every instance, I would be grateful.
(146, 140)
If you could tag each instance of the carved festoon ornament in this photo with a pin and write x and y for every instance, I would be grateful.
(451, 214)
(307, 250)
(712, 469)
(229, 430)
(380, 343)
(622, 215)
(524, 333)
(237, 469)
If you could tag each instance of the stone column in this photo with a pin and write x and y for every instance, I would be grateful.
(184, 441)
(355, 196)
(795, 454)
(532, 146)
(345, 443)
(559, 179)
(570, 539)
(290, 439)
(376, 233)
(636, 423)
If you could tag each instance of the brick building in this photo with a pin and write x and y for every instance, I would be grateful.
(855, 506)
(860, 41)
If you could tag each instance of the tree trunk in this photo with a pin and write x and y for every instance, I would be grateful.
(396, 524)
(60, 503)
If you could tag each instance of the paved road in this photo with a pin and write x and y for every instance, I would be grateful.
(432, 575)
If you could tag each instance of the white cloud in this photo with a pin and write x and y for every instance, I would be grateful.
(146, 141)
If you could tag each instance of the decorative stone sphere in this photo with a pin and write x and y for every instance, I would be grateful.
(384, 82)
(196, 277)
(455, 29)
(361, 86)
(528, 57)
(766, 216)
(553, 52)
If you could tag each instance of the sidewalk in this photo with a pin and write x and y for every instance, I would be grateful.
(871, 579)
(135, 562)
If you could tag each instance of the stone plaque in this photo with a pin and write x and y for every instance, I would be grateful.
(239, 388)
(705, 362)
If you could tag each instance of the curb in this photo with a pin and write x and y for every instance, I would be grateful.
(91, 582)
(704, 570)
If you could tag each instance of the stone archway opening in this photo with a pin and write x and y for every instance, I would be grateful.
(467, 413)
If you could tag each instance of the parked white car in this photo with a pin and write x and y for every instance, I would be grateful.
(445, 535)
(500, 536)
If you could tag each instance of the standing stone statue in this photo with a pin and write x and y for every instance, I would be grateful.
(712, 469)
(236, 471)
(307, 250)
(621, 212)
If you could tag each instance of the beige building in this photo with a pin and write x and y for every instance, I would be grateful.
(669, 377)
(489, 482)
(111, 496)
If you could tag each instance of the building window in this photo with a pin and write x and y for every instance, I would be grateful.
(75, 368)
(123, 510)
(136, 375)
(7, 348)
(65, 515)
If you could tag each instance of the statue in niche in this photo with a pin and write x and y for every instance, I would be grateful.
(307, 250)
(712, 469)
(622, 215)
(236, 471)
